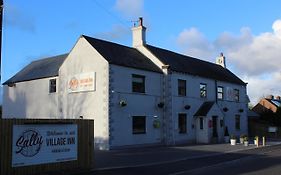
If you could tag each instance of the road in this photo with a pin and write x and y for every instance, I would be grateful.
(265, 160)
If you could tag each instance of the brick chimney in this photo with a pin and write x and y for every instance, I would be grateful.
(221, 60)
(139, 34)
(270, 97)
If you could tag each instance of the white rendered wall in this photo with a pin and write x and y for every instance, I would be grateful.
(30, 99)
(83, 58)
(194, 100)
(138, 104)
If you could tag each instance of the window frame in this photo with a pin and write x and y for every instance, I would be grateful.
(182, 123)
(236, 95)
(136, 131)
(52, 87)
(203, 90)
(237, 122)
(181, 87)
(136, 86)
(220, 93)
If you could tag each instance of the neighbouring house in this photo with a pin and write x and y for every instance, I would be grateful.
(268, 104)
(140, 95)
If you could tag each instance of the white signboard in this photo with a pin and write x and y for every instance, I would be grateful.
(82, 82)
(46, 143)
(272, 129)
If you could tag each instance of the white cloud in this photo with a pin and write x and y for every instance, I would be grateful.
(277, 28)
(117, 32)
(195, 43)
(255, 58)
(130, 8)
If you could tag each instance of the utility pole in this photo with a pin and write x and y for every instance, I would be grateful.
(1, 19)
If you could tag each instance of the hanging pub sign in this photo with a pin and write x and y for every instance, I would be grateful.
(44, 143)
(82, 82)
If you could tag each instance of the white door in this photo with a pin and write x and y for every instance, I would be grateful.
(201, 130)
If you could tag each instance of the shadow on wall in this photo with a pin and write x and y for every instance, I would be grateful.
(15, 107)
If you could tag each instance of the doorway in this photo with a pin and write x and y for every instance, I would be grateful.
(215, 126)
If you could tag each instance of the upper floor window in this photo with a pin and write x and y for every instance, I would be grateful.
(139, 124)
(138, 83)
(220, 92)
(52, 85)
(203, 90)
(181, 87)
(236, 95)
(182, 123)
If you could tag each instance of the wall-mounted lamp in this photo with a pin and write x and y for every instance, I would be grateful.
(187, 107)
(122, 103)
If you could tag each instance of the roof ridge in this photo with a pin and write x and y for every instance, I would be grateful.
(191, 57)
(45, 58)
(109, 42)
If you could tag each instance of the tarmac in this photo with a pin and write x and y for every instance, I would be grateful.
(146, 156)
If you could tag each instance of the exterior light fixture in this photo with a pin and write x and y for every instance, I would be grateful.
(225, 109)
(160, 105)
(122, 103)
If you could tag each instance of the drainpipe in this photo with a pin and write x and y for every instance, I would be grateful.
(1, 19)
(216, 91)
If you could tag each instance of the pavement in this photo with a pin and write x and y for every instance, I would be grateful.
(138, 157)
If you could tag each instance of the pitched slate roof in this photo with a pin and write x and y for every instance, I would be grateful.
(122, 55)
(204, 108)
(194, 66)
(43, 68)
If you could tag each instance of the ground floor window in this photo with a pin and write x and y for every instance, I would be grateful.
(52, 86)
(201, 123)
(182, 123)
(237, 122)
(139, 124)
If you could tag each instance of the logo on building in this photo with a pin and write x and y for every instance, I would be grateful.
(73, 83)
(29, 143)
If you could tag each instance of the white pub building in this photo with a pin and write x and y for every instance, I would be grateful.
(140, 95)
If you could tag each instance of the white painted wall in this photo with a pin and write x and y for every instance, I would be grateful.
(193, 99)
(137, 104)
(83, 58)
(30, 99)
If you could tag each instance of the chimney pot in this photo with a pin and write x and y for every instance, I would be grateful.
(140, 21)
(271, 97)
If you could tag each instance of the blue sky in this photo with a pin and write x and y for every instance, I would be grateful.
(242, 29)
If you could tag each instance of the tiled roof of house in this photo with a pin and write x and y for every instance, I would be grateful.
(194, 66)
(122, 55)
(43, 68)
(275, 102)
(204, 108)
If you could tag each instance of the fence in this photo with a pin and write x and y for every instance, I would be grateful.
(257, 128)
(82, 143)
